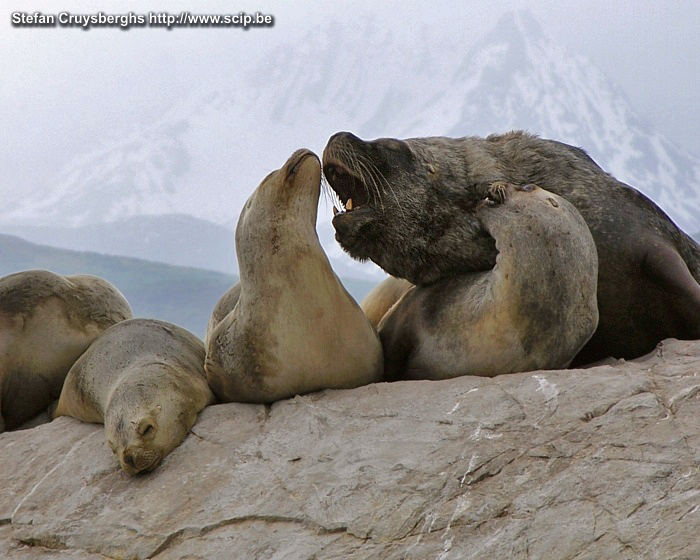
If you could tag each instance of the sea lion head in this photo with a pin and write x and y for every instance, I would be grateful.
(286, 196)
(408, 206)
(144, 428)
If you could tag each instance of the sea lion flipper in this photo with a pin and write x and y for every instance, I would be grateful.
(665, 267)
(496, 193)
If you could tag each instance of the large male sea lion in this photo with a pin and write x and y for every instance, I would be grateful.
(46, 322)
(144, 380)
(413, 213)
(292, 328)
(534, 310)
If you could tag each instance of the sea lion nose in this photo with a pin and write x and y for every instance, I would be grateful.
(339, 136)
(333, 149)
(129, 459)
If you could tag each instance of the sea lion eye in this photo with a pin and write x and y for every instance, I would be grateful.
(398, 150)
(146, 427)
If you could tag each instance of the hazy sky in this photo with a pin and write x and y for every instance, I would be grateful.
(63, 89)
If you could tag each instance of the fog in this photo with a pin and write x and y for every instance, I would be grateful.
(65, 90)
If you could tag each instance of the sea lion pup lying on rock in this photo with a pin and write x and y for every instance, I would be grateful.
(293, 328)
(46, 322)
(534, 310)
(414, 214)
(144, 379)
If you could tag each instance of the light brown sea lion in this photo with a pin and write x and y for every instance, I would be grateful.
(534, 310)
(144, 379)
(46, 322)
(382, 297)
(292, 328)
(222, 308)
(414, 214)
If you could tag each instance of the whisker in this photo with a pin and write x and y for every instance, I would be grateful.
(372, 180)
(328, 194)
(389, 187)
(372, 175)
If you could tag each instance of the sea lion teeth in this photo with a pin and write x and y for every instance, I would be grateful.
(348, 204)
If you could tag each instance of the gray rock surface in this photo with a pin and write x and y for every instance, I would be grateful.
(579, 464)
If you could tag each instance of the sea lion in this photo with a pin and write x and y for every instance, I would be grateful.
(293, 328)
(46, 322)
(222, 308)
(144, 380)
(413, 213)
(535, 309)
(382, 297)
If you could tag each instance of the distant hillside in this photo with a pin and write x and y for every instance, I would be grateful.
(169, 238)
(184, 296)
(176, 239)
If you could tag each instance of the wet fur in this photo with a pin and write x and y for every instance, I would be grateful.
(420, 224)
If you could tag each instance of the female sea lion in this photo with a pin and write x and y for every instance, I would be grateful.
(382, 297)
(534, 310)
(144, 380)
(46, 322)
(293, 328)
(413, 213)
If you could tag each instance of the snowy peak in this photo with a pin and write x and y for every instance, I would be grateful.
(518, 78)
(502, 51)
(138, 175)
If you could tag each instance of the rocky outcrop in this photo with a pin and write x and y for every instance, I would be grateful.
(578, 464)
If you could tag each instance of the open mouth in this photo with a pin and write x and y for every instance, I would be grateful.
(349, 188)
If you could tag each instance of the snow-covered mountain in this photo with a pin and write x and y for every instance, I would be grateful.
(208, 152)
(515, 78)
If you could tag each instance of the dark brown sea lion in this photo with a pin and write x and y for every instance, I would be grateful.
(535, 309)
(144, 380)
(413, 213)
(289, 327)
(46, 322)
